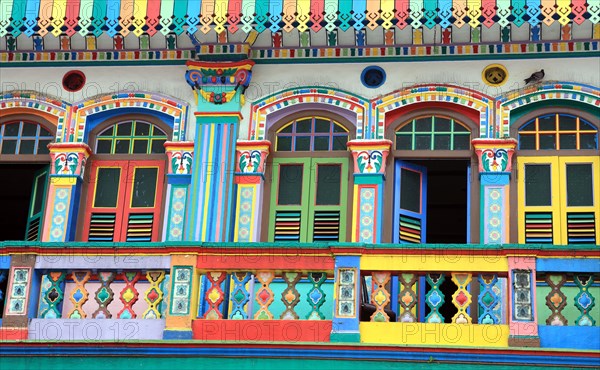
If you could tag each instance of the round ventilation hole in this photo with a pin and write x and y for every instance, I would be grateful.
(373, 77)
(73, 81)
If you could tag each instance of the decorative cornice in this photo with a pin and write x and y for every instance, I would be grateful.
(337, 54)
(258, 16)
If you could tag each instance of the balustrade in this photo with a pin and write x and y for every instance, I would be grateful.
(266, 295)
(568, 299)
(441, 297)
(88, 294)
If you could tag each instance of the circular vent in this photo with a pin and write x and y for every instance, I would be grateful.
(495, 75)
(73, 81)
(373, 77)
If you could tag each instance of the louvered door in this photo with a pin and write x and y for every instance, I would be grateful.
(580, 189)
(558, 200)
(106, 194)
(540, 205)
(410, 203)
(308, 200)
(289, 193)
(327, 199)
(124, 201)
(36, 204)
(143, 201)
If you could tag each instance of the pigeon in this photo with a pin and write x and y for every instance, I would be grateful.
(535, 77)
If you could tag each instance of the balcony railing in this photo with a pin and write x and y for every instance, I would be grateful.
(456, 295)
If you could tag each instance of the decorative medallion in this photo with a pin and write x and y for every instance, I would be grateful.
(495, 75)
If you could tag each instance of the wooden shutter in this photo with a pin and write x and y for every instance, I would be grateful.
(124, 201)
(289, 200)
(410, 203)
(328, 200)
(539, 202)
(105, 200)
(580, 210)
(36, 204)
(143, 201)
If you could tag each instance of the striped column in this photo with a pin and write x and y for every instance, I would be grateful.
(219, 88)
(66, 173)
(179, 176)
(250, 161)
(495, 157)
(369, 175)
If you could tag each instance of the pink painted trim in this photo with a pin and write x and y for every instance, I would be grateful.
(521, 328)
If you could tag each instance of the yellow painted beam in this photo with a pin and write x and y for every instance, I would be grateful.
(434, 334)
(441, 262)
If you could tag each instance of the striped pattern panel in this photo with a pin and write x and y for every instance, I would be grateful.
(538, 227)
(33, 232)
(326, 226)
(139, 227)
(410, 229)
(102, 227)
(581, 228)
(287, 226)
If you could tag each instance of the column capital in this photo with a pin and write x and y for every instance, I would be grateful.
(68, 159)
(181, 157)
(369, 155)
(250, 159)
(495, 155)
(218, 82)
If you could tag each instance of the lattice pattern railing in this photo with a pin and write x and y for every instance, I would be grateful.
(448, 297)
(88, 294)
(569, 299)
(264, 295)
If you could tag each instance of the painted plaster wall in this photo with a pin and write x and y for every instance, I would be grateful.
(92, 330)
(224, 363)
(268, 79)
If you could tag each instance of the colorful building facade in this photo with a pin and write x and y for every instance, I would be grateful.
(296, 183)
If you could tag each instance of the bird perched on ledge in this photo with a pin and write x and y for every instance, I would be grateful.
(535, 77)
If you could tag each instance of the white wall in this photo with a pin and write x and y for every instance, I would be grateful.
(268, 79)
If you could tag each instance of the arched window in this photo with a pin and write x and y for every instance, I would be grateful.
(433, 133)
(432, 178)
(23, 137)
(125, 193)
(308, 199)
(312, 134)
(558, 194)
(24, 160)
(131, 137)
(558, 132)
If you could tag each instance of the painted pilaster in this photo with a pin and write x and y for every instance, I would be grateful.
(495, 166)
(346, 305)
(250, 159)
(522, 315)
(67, 168)
(183, 300)
(369, 175)
(219, 88)
(19, 299)
(179, 176)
